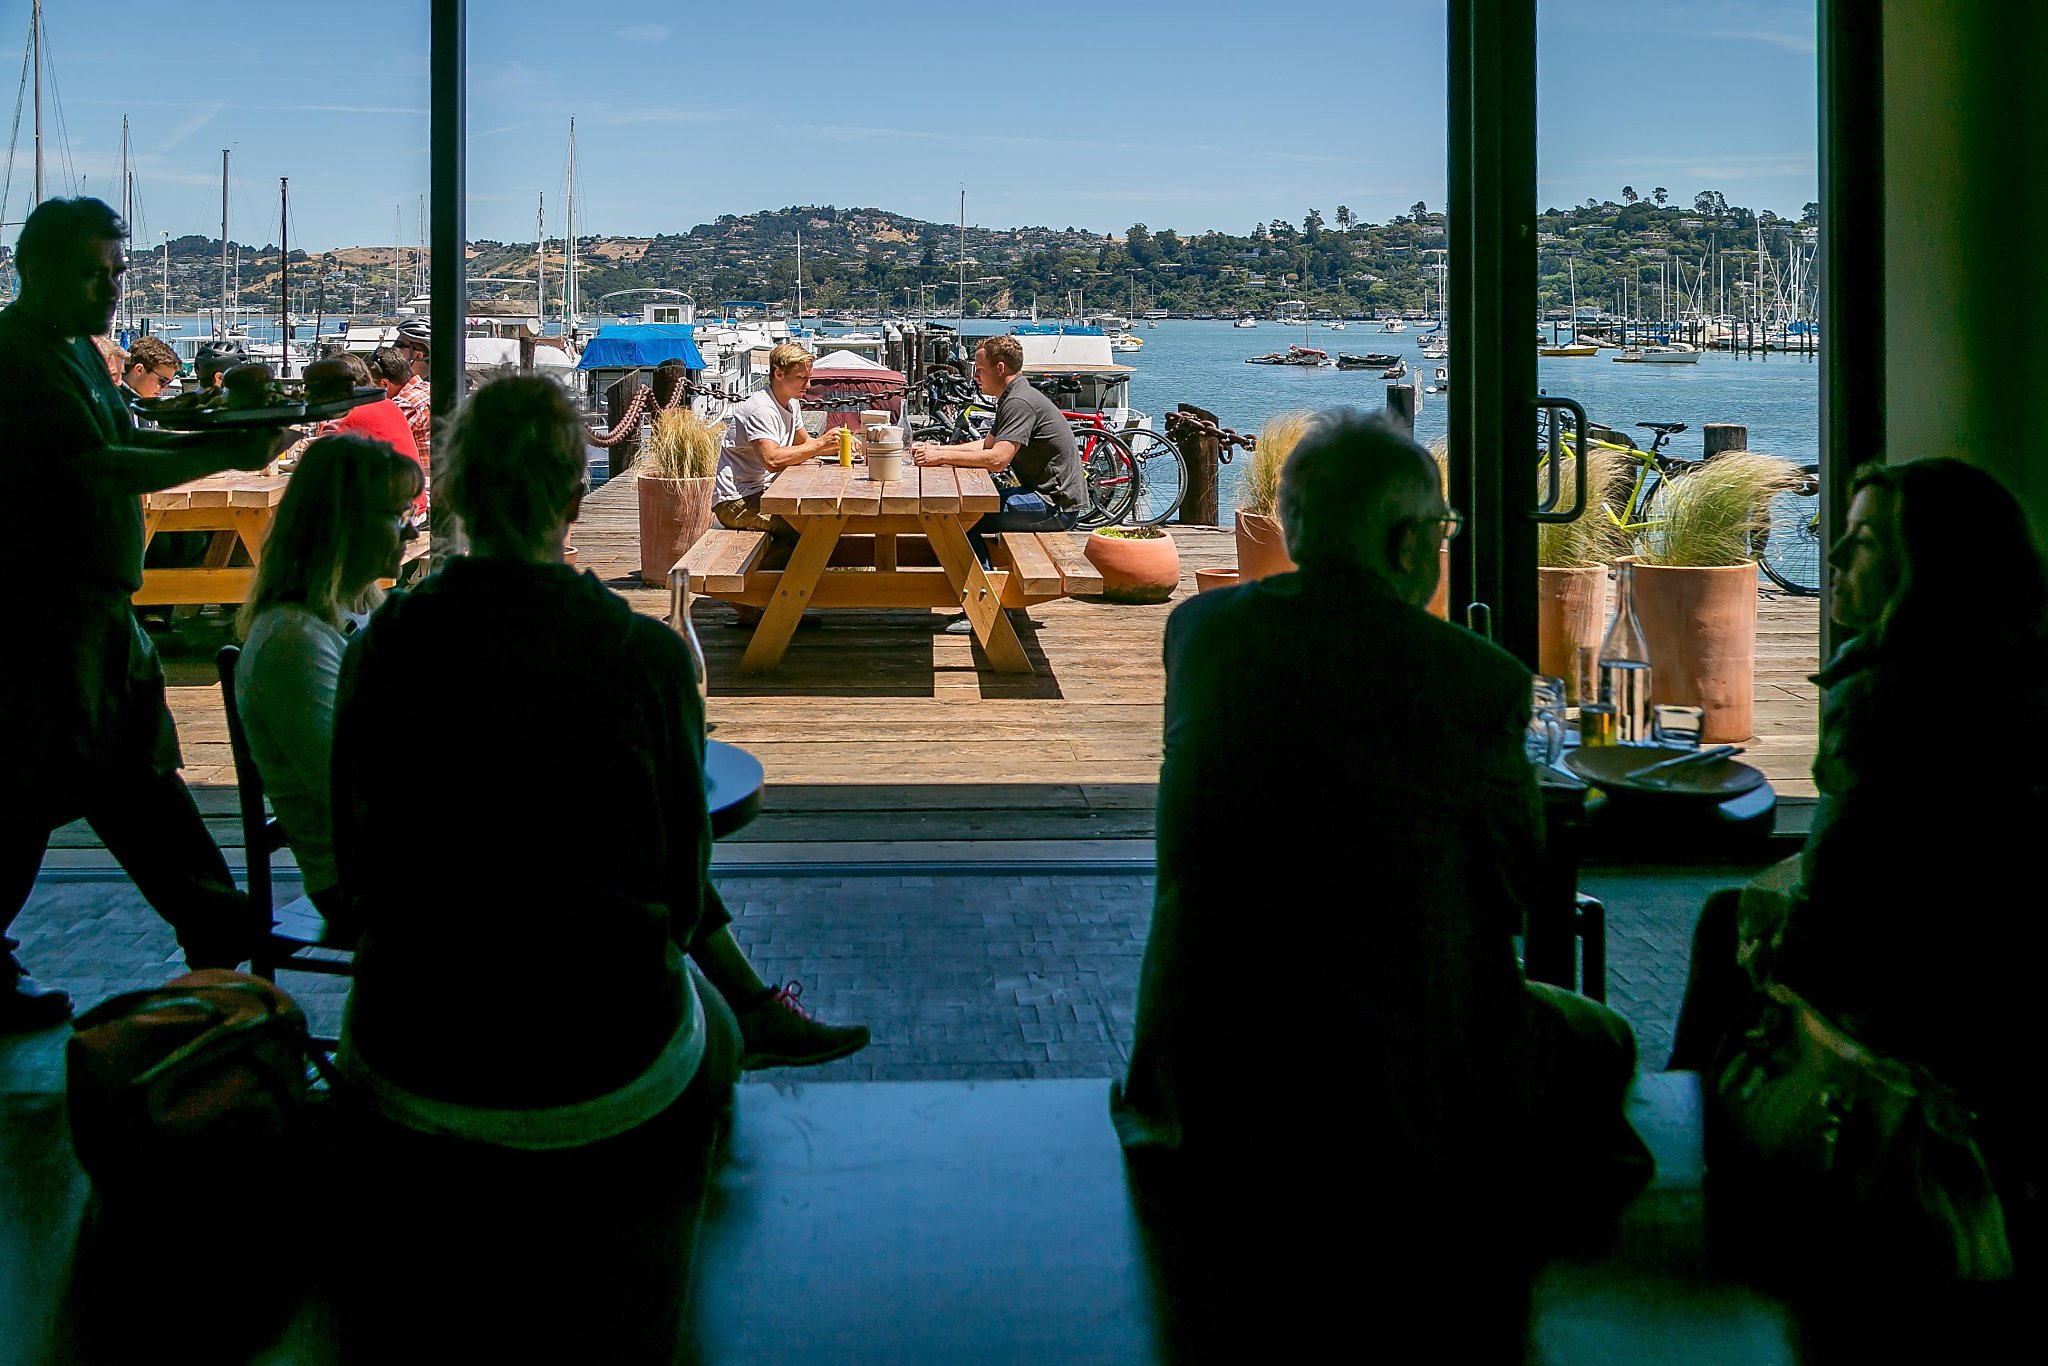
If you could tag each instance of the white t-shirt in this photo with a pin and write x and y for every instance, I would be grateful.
(284, 689)
(759, 418)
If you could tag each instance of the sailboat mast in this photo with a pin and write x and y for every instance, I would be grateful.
(223, 329)
(962, 309)
(35, 32)
(127, 207)
(799, 276)
(569, 244)
(419, 258)
(540, 267)
(397, 261)
(284, 278)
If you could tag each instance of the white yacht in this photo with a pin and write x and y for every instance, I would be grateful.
(1246, 321)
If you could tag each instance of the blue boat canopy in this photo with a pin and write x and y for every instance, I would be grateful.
(622, 346)
(1054, 330)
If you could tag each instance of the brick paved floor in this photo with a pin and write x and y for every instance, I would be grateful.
(959, 976)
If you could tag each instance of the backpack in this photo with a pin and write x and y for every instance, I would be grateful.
(207, 1079)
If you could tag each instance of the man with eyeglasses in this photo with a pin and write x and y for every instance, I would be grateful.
(90, 733)
(1345, 774)
(151, 368)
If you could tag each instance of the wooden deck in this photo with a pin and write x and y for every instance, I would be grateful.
(1069, 753)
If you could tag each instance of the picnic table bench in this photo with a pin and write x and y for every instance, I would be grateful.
(235, 508)
(870, 544)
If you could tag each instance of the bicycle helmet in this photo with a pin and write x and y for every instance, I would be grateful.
(222, 353)
(415, 332)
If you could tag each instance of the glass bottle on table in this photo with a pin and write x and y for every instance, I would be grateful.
(1625, 664)
(682, 596)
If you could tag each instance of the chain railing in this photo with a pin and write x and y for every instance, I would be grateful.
(1182, 424)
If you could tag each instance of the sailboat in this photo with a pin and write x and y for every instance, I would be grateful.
(1575, 347)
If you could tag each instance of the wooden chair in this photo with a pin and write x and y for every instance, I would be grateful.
(301, 939)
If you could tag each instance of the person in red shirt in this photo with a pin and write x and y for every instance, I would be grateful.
(380, 421)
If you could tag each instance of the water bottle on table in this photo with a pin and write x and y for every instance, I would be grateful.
(1625, 664)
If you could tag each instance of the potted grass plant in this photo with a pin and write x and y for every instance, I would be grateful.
(1261, 549)
(1572, 560)
(675, 488)
(1138, 563)
(1696, 584)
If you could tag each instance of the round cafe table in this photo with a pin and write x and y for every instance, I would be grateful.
(733, 780)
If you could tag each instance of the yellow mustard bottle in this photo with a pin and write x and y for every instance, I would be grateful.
(846, 447)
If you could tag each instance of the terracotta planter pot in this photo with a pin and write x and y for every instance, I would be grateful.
(1440, 600)
(1571, 613)
(1135, 570)
(673, 514)
(1206, 579)
(1261, 549)
(1700, 625)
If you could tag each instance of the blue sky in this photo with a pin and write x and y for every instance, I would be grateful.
(1191, 116)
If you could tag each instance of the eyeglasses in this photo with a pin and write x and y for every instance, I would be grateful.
(171, 378)
(1451, 522)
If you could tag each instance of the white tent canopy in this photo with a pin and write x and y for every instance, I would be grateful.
(847, 360)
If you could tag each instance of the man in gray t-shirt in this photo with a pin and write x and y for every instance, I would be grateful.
(1031, 441)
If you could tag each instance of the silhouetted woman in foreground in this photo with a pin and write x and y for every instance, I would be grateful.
(1913, 921)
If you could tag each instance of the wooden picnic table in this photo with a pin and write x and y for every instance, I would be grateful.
(236, 508)
(868, 544)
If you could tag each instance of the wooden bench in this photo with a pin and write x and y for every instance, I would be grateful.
(982, 1221)
(954, 1221)
(720, 560)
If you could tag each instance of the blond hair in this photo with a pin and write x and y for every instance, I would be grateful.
(789, 356)
(343, 486)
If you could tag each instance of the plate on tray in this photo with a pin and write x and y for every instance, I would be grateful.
(168, 415)
(1610, 767)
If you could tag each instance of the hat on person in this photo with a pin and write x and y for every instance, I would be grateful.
(222, 353)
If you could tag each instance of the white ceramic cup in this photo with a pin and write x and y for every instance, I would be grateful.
(885, 467)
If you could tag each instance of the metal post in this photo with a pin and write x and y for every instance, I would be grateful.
(448, 173)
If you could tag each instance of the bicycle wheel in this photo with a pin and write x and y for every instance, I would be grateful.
(1162, 476)
(1788, 547)
(1111, 473)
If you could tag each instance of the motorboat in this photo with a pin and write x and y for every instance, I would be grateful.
(1371, 360)
(1443, 381)
(1124, 341)
(1246, 321)
(1334, 326)
(1398, 370)
(1270, 358)
(1392, 325)
(1569, 349)
(1307, 355)
(1677, 353)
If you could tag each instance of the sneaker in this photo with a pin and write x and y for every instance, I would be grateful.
(776, 1032)
(958, 626)
(1019, 618)
(26, 1005)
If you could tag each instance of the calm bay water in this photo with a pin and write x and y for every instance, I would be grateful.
(1777, 397)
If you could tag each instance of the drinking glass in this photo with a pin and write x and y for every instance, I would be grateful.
(1544, 740)
(1598, 725)
(1677, 727)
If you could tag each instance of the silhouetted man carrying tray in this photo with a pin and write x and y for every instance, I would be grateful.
(88, 731)
(1334, 1039)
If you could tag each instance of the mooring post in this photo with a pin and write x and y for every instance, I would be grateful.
(1724, 436)
(1200, 506)
(1401, 403)
(617, 398)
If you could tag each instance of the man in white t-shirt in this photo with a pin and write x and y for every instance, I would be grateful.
(764, 436)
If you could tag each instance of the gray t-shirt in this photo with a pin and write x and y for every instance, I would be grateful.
(759, 418)
(1045, 462)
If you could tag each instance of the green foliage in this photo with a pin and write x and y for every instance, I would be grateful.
(1277, 440)
(682, 446)
(1593, 537)
(1708, 517)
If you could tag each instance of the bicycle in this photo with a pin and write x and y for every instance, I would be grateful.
(1786, 542)
(1160, 471)
(961, 414)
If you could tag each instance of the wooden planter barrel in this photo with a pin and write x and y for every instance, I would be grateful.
(1700, 626)
(1261, 549)
(1571, 614)
(673, 514)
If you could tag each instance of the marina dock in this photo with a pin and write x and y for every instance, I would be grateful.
(1054, 762)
